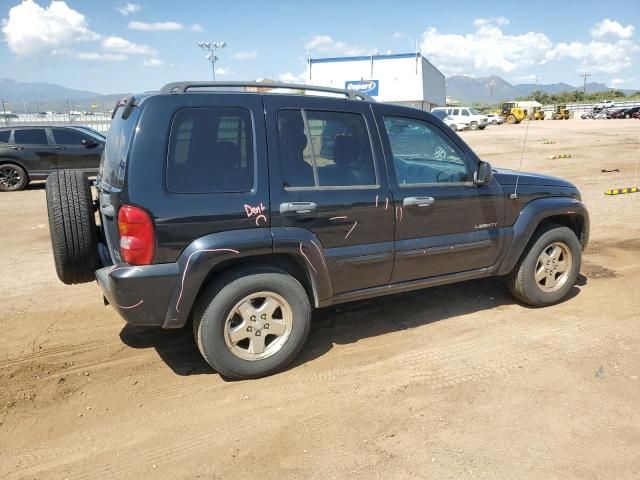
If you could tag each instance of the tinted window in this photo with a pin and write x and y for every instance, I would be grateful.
(114, 156)
(456, 111)
(30, 136)
(423, 154)
(4, 136)
(325, 149)
(69, 137)
(440, 114)
(465, 112)
(210, 151)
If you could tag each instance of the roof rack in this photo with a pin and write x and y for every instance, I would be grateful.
(180, 88)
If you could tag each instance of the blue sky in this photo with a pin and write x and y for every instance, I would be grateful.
(112, 46)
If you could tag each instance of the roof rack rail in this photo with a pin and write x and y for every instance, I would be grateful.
(180, 88)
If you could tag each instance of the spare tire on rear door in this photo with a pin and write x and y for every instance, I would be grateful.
(72, 226)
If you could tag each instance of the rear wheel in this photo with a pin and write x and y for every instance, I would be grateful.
(549, 267)
(454, 127)
(72, 226)
(12, 178)
(511, 119)
(252, 322)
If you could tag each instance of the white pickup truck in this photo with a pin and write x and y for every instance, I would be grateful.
(469, 115)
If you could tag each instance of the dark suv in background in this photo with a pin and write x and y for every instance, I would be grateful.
(33, 152)
(242, 210)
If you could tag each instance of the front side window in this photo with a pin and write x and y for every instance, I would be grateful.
(69, 137)
(325, 149)
(465, 112)
(456, 111)
(422, 154)
(30, 136)
(211, 151)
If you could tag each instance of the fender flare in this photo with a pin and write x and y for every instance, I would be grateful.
(201, 256)
(531, 216)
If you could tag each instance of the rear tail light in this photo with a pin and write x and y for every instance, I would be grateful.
(137, 238)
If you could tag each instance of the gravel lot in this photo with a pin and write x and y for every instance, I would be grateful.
(453, 382)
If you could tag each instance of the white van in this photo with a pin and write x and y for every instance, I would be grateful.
(467, 115)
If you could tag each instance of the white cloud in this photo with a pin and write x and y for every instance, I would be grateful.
(618, 81)
(152, 62)
(156, 26)
(487, 50)
(123, 46)
(289, 77)
(245, 55)
(500, 21)
(32, 30)
(611, 28)
(223, 71)
(530, 78)
(196, 27)
(129, 8)
(398, 35)
(326, 44)
(597, 57)
(103, 57)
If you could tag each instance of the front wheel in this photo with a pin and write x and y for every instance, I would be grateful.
(473, 126)
(548, 269)
(252, 322)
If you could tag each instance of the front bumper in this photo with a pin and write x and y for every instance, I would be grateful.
(141, 295)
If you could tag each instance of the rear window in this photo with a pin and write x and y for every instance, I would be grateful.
(4, 136)
(210, 151)
(116, 150)
(30, 136)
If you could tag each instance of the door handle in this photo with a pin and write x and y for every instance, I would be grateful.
(58, 148)
(418, 202)
(297, 207)
(17, 148)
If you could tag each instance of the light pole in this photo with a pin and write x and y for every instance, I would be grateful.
(211, 48)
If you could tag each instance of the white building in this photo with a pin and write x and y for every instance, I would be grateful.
(405, 78)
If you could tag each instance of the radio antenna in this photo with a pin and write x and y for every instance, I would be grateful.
(514, 195)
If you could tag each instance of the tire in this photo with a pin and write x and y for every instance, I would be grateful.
(522, 279)
(494, 122)
(511, 119)
(482, 127)
(72, 226)
(214, 318)
(12, 178)
(473, 126)
(454, 127)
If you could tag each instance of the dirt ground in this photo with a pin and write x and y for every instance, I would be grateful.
(453, 382)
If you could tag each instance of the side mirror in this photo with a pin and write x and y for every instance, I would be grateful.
(483, 175)
(89, 143)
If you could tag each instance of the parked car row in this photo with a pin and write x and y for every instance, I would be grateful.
(612, 112)
(33, 152)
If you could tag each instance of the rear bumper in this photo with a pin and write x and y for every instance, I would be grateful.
(141, 295)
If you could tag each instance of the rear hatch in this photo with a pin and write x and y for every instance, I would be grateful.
(112, 174)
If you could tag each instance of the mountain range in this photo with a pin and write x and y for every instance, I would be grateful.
(40, 96)
(494, 89)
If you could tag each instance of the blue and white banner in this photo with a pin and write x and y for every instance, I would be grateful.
(368, 87)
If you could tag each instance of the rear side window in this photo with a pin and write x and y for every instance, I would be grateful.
(4, 136)
(30, 136)
(210, 151)
(116, 150)
(325, 149)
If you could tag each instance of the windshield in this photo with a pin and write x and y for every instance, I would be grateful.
(474, 111)
(116, 150)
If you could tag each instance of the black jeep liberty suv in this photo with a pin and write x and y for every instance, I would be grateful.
(242, 208)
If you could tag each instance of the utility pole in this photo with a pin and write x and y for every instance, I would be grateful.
(585, 75)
